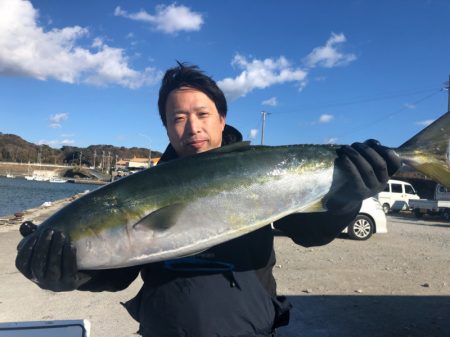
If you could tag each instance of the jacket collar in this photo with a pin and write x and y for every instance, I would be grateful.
(230, 135)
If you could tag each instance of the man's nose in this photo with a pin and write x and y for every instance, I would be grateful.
(193, 125)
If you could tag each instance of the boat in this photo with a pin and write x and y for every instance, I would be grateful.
(57, 180)
(9, 175)
(29, 177)
(40, 178)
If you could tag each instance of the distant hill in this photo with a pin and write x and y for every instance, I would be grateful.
(15, 149)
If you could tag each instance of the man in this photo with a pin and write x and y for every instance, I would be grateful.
(228, 290)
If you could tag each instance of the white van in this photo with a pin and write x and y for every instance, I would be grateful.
(396, 195)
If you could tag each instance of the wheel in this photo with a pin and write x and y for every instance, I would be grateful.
(386, 208)
(418, 213)
(362, 228)
(446, 215)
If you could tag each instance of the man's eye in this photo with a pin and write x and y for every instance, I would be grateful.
(203, 114)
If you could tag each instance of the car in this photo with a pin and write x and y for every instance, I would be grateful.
(396, 196)
(370, 219)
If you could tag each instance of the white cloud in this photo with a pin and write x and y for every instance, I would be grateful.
(67, 142)
(252, 134)
(302, 85)
(425, 122)
(26, 49)
(409, 106)
(57, 119)
(331, 140)
(168, 19)
(259, 74)
(56, 143)
(329, 56)
(326, 118)
(271, 102)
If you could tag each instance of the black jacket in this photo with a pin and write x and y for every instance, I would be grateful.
(228, 290)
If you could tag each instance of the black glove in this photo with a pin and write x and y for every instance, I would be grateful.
(48, 259)
(27, 228)
(367, 167)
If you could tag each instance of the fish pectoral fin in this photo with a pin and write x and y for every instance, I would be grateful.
(316, 207)
(162, 219)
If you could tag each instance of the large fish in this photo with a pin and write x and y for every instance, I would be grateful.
(189, 204)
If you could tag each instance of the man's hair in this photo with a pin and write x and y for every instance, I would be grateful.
(189, 76)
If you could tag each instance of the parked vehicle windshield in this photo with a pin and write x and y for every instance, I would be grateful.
(409, 189)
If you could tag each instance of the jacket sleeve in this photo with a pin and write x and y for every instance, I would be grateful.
(316, 229)
(110, 279)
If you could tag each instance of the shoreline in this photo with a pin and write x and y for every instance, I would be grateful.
(37, 214)
(69, 180)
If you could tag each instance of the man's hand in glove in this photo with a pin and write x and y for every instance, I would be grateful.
(48, 259)
(367, 167)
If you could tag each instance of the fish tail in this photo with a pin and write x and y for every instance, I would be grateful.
(428, 150)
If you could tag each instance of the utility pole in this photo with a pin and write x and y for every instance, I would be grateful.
(95, 156)
(264, 114)
(149, 157)
(81, 155)
(448, 94)
(149, 149)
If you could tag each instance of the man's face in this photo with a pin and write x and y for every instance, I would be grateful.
(193, 122)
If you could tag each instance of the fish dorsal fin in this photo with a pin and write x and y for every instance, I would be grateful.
(235, 147)
(162, 219)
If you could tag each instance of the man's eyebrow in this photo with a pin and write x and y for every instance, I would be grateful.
(202, 107)
(179, 111)
(183, 111)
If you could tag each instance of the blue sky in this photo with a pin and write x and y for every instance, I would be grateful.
(88, 72)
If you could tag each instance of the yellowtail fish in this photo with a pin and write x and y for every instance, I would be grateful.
(190, 204)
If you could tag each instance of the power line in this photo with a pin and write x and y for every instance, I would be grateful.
(357, 101)
(371, 99)
(384, 117)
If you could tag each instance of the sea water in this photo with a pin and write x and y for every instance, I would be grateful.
(17, 194)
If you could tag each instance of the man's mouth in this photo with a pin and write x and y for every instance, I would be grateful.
(196, 144)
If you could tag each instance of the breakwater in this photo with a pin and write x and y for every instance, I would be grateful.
(24, 169)
(83, 175)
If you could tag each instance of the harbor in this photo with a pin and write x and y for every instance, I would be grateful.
(54, 173)
(17, 195)
(29, 185)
